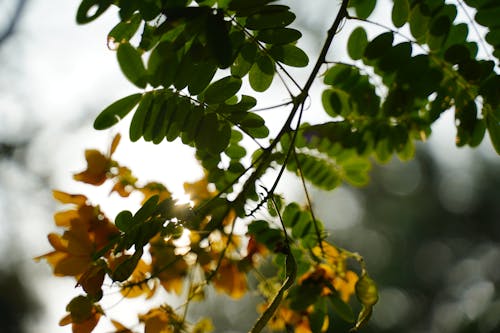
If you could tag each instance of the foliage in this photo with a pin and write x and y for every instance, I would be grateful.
(191, 59)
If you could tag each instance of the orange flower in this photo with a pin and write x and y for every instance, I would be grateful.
(346, 285)
(161, 320)
(124, 182)
(199, 191)
(73, 252)
(230, 279)
(87, 231)
(169, 267)
(154, 188)
(97, 168)
(98, 165)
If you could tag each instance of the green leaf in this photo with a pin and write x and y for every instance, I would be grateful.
(116, 111)
(146, 210)
(289, 54)
(278, 36)
(123, 31)
(356, 43)
(489, 17)
(379, 46)
(218, 39)
(363, 7)
(152, 117)
(419, 22)
(205, 72)
(123, 271)
(86, 6)
(137, 124)
(80, 308)
(456, 53)
(244, 61)
(270, 19)
(124, 220)
(131, 64)
(400, 12)
(190, 127)
(343, 310)
(222, 89)
(162, 64)
(262, 73)
(493, 126)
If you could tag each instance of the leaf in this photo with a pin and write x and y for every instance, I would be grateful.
(278, 36)
(205, 138)
(244, 61)
(86, 6)
(218, 39)
(262, 73)
(125, 268)
(378, 46)
(116, 111)
(124, 220)
(363, 7)
(290, 55)
(131, 64)
(137, 125)
(80, 308)
(356, 43)
(146, 210)
(419, 22)
(493, 126)
(162, 64)
(205, 72)
(270, 19)
(342, 309)
(223, 89)
(400, 12)
(123, 31)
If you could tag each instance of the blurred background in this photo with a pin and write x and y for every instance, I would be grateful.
(429, 229)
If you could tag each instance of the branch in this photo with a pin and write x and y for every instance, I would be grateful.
(298, 101)
(11, 26)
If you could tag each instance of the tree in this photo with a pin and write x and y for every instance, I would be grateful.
(191, 59)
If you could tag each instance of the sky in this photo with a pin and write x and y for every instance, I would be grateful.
(55, 77)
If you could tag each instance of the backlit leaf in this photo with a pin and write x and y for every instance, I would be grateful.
(289, 55)
(131, 64)
(116, 111)
(262, 73)
(356, 43)
(222, 89)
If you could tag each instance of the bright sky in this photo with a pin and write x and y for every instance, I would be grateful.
(55, 77)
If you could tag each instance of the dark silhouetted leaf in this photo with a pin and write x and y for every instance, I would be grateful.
(278, 36)
(400, 12)
(86, 6)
